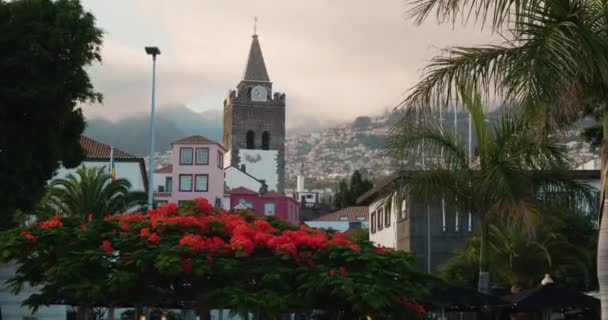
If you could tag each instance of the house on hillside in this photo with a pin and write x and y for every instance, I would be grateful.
(344, 220)
(431, 232)
(127, 166)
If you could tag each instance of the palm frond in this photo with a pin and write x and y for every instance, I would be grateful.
(494, 13)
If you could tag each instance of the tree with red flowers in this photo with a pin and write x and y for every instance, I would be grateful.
(204, 258)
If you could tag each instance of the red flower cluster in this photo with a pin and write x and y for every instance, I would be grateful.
(383, 250)
(342, 270)
(414, 306)
(106, 246)
(197, 243)
(239, 232)
(154, 238)
(54, 222)
(125, 220)
(203, 205)
(28, 236)
(186, 265)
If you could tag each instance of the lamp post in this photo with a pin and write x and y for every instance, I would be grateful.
(153, 51)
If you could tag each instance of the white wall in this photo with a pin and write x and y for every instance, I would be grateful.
(236, 178)
(127, 170)
(334, 225)
(262, 164)
(159, 180)
(387, 237)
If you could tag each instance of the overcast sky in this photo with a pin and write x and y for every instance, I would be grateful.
(334, 59)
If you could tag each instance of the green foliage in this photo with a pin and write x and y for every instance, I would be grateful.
(91, 191)
(563, 246)
(518, 173)
(46, 46)
(347, 194)
(255, 264)
(552, 60)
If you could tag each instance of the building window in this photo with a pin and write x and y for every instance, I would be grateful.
(403, 211)
(380, 220)
(218, 202)
(220, 160)
(360, 218)
(265, 140)
(185, 156)
(246, 204)
(373, 222)
(168, 184)
(201, 183)
(185, 182)
(269, 208)
(161, 188)
(202, 156)
(343, 218)
(250, 139)
(387, 217)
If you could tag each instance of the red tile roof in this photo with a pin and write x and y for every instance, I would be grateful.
(165, 169)
(242, 190)
(198, 139)
(352, 213)
(99, 150)
(272, 194)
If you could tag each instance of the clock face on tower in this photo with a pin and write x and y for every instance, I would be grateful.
(258, 93)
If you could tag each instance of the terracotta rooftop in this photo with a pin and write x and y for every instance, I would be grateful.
(99, 150)
(242, 190)
(352, 213)
(197, 140)
(272, 194)
(165, 169)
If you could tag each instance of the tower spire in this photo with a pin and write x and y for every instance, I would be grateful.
(255, 70)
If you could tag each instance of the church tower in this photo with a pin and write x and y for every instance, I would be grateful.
(254, 124)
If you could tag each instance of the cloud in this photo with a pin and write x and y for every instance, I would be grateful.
(335, 59)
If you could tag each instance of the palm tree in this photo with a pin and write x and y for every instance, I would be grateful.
(516, 173)
(519, 260)
(554, 57)
(92, 191)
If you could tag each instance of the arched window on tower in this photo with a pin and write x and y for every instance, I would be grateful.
(250, 139)
(265, 140)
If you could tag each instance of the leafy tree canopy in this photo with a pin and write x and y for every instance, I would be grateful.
(563, 246)
(46, 46)
(201, 258)
(347, 194)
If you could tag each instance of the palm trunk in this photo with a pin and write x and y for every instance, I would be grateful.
(602, 245)
(483, 285)
(204, 313)
(110, 311)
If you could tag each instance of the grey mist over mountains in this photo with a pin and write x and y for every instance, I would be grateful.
(173, 122)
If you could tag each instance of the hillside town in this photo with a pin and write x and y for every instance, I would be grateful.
(446, 207)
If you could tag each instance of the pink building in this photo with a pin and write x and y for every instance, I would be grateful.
(269, 203)
(197, 170)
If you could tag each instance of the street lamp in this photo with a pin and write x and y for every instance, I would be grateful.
(153, 51)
